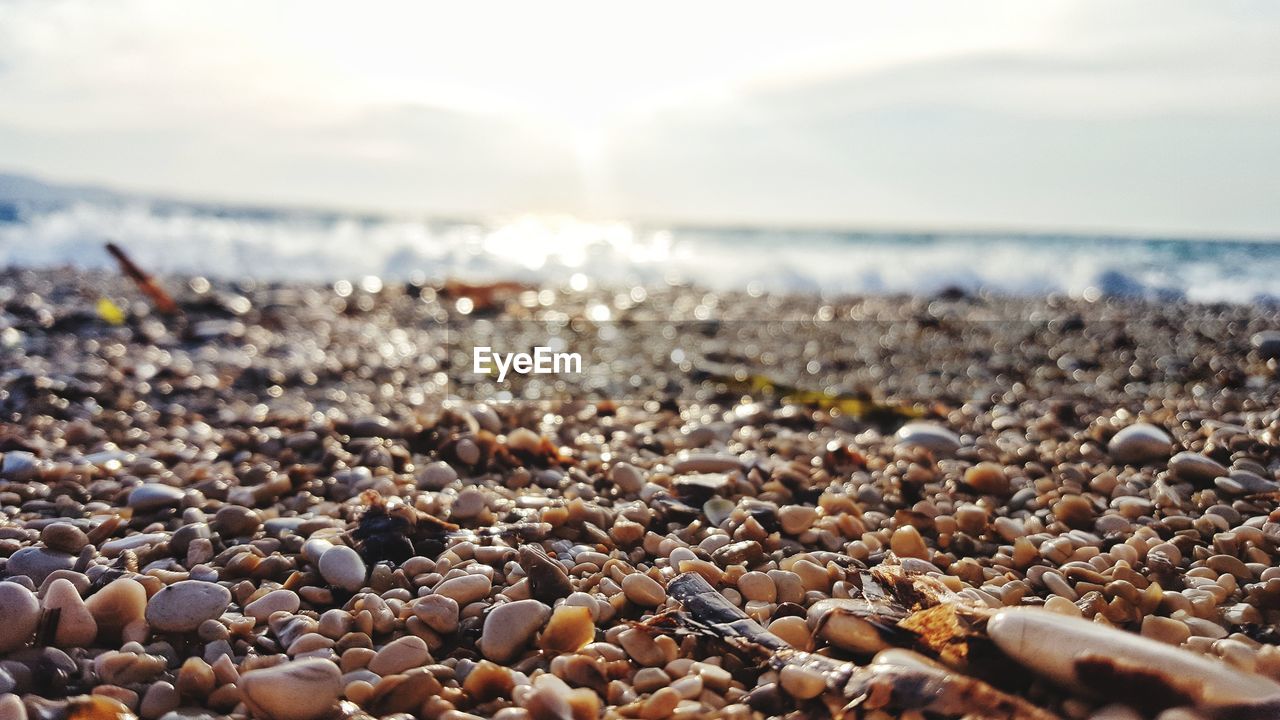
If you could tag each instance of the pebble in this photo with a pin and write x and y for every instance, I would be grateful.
(64, 537)
(701, 461)
(76, 626)
(988, 478)
(470, 503)
(933, 437)
(1140, 443)
(12, 708)
(509, 627)
(627, 477)
(834, 620)
(19, 466)
(1194, 467)
(399, 655)
(437, 476)
(182, 606)
(795, 519)
(643, 590)
(236, 521)
(342, 567)
(438, 612)
(37, 562)
(907, 542)
(466, 589)
(1025, 633)
(154, 496)
(119, 604)
(21, 613)
(300, 690)
(758, 586)
(1267, 343)
(569, 629)
(275, 601)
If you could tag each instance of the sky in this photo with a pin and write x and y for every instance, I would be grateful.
(1118, 115)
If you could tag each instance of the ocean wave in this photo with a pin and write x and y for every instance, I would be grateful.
(284, 245)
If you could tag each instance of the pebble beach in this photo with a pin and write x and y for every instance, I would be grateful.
(296, 501)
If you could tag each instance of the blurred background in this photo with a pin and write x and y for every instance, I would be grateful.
(1123, 148)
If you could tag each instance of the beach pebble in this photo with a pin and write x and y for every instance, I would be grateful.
(465, 589)
(21, 613)
(342, 567)
(795, 519)
(834, 620)
(182, 606)
(18, 466)
(988, 478)
(700, 461)
(438, 612)
(436, 476)
(933, 437)
(1267, 343)
(399, 655)
(154, 496)
(1140, 443)
(907, 542)
(757, 586)
(570, 628)
(37, 562)
(508, 629)
(470, 503)
(643, 590)
(1085, 654)
(76, 626)
(236, 521)
(64, 537)
(12, 708)
(1194, 467)
(627, 477)
(118, 604)
(275, 601)
(299, 690)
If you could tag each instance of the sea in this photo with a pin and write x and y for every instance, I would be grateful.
(274, 244)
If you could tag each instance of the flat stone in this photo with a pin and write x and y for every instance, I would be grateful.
(21, 612)
(275, 601)
(1194, 467)
(399, 655)
(508, 628)
(701, 461)
(466, 589)
(931, 436)
(155, 496)
(342, 567)
(299, 690)
(37, 562)
(182, 606)
(1084, 654)
(1140, 443)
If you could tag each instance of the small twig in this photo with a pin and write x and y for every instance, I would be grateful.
(147, 284)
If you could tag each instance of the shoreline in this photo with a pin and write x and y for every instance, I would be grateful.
(293, 496)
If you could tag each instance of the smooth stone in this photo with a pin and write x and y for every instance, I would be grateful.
(718, 510)
(795, 519)
(64, 537)
(37, 562)
(508, 629)
(182, 606)
(1267, 343)
(1140, 443)
(342, 567)
(76, 626)
(627, 477)
(154, 496)
(930, 436)
(299, 690)
(906, 542)
(399, 655)
(1057, 647)
(836, 621)
(21, 612)
(19, 466)
(1194, 467)
(701, 461)
(643, 590)
(440, 613)
(470, 503)
(570, 628)
(436, 476)
(12, 708)
(121, 602)
(275, 601)
(466, 589)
